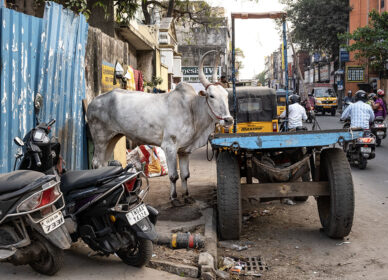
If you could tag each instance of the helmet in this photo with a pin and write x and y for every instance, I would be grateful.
(294, 99)
(349, 92)
(361, 96)
(380, 93)
(372, 95)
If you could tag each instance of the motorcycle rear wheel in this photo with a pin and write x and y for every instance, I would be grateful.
(139, 256)
(362, 163)
(378, 142)
(51, 261)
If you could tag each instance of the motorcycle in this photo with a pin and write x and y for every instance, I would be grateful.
(360, 150)
(32, 229)
(104, 207)
(379, 129)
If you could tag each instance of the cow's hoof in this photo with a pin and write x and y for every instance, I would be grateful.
(176, 203)
(188, 199)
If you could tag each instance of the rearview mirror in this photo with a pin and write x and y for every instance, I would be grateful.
(18, 141)
(38, 103)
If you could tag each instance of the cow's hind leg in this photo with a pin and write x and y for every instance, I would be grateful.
(185, 174)
(171, 155)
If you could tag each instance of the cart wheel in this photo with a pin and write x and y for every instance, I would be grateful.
(333, 112)
(323, 112)
(337, 210)
(228, 196)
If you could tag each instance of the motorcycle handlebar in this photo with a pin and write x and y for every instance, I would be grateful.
(51, 122)
(37, 160)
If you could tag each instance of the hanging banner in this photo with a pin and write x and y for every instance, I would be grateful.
(283, 63)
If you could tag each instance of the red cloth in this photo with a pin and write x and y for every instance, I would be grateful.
(138, 80)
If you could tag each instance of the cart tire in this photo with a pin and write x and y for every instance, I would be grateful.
(228, 196)
(336, 211)
(333, 112)
(323, 112)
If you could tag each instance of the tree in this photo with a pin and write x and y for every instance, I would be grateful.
(261, 77)
(195, 12)
(315, 24)
(371, 42)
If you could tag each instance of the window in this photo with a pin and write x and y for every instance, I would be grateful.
(382, 4)
(250, 105)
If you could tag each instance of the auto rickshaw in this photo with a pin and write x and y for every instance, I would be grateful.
(256, 110)
(325, 100)
(281, 100)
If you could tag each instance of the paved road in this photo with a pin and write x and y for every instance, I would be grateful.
(375, 177)
(78, 265)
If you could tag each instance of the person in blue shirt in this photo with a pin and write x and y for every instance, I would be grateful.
(360, 113)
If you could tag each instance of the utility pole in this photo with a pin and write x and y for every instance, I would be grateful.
(304, 91)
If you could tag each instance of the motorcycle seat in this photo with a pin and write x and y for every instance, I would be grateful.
(379, 119)
(80, 179)
(16, 180)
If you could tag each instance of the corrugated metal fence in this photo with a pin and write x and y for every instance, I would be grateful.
(47, 56)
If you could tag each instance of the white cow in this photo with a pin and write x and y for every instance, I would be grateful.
(179, 122)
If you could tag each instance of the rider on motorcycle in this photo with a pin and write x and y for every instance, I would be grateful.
(360, 113)
(310, 103)
(296, 112)
(379, 106)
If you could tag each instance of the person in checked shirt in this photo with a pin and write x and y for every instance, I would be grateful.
(296, 112)
(360, 113)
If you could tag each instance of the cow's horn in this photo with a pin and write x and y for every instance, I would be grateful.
(216, 62)
(201, 75)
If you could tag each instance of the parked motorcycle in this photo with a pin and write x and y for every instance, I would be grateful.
(32, 229)
(360, 150)
(104, 207)
(379, 129)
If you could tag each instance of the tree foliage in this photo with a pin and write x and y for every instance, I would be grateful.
(261, 77)
(316, 24)
(371, 41)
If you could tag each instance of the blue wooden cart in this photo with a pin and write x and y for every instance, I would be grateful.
(286, 165)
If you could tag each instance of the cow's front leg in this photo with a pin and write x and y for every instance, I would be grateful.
(185, 174)
(171, 153)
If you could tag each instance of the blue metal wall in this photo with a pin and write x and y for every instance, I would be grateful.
(62, 80)
(47, 56)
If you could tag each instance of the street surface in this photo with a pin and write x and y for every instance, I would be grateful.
(287, 237)
(78, 266)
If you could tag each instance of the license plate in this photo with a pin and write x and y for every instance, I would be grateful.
(366, 150)
(137, 214)
(380, 132)
(52, 222)
(327, 107)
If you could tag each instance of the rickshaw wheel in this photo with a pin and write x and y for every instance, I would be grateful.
(336, 211)
(228, 196)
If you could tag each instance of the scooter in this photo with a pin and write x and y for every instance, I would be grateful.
(32, 229)
(360, 150)
(104, 207)
(379, 129)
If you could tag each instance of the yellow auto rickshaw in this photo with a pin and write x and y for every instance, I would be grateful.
(281, 101)
(257, 110)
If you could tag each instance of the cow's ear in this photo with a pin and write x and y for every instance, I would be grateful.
(202, 93)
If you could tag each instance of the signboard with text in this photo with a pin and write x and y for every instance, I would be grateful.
(190, 73)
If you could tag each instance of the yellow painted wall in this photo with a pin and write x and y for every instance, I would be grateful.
(164, 76)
